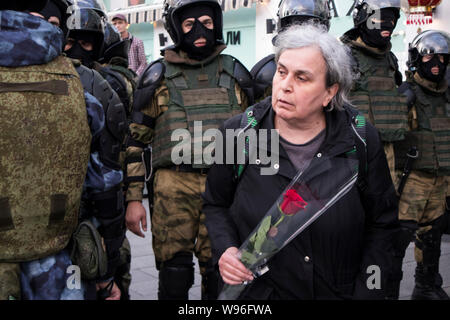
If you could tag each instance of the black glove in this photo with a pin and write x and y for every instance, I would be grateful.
(105, 292)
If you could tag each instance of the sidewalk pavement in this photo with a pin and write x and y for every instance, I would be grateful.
(144, 283)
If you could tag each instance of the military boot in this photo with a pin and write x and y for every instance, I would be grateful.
(428, 280)
(427, 288)
(210, 281)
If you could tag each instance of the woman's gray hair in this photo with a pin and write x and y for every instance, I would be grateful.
(337, 56)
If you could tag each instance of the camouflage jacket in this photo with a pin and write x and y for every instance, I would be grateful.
(28, 40)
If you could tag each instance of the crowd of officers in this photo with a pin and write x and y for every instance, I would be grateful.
(127, 144)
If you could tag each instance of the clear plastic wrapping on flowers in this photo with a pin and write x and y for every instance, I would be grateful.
(309, 195)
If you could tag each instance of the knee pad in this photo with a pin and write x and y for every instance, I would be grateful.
(176, 277)
(404, 236)
(432, 237)
(430, 243)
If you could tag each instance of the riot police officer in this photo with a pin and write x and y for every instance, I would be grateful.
(289, 12)
(113, 66)
(85, 43)
(375, 92)
(193, 82)
(422, 202)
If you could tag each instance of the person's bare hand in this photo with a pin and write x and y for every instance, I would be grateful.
(231, 268)
(136, 217)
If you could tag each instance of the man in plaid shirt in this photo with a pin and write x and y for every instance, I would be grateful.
(136, 55)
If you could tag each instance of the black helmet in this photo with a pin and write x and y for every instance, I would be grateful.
(365, 8)
(63, 7)
(428, 42)
(96, 5)
(87, 22)
(291, 11)
(113, 45)
(22, 5)
(172, 22)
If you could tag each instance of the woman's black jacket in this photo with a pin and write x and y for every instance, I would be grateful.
(345, 254)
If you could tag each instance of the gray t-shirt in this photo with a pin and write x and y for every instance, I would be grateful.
(302, 154)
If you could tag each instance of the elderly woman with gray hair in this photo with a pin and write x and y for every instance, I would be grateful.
(344, 254)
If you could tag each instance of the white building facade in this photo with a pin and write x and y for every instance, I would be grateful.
(249, 26)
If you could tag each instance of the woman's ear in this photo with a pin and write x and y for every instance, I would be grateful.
(330, 93)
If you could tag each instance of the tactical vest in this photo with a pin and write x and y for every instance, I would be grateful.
(45, 144)
(432, 137)
(375, 95)
(205, 94)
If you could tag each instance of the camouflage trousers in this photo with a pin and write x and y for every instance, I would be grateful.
(422, 201)
(390, 157)
(178, 224)
(9, 281)
(123, 275)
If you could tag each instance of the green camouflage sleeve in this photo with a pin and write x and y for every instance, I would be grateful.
(140, 137)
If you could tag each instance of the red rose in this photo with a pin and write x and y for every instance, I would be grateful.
(292, 203)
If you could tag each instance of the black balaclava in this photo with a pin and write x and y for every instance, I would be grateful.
(373, 37)
(51, 10)
(78, 52)
(424, 68)
(198, 30)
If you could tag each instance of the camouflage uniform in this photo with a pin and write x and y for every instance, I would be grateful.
(40, 190)
(375, 94)
(422, 202)
(177, 220)
(9, 281)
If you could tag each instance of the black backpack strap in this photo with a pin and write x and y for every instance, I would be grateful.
(248, 120)
(359, 128)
